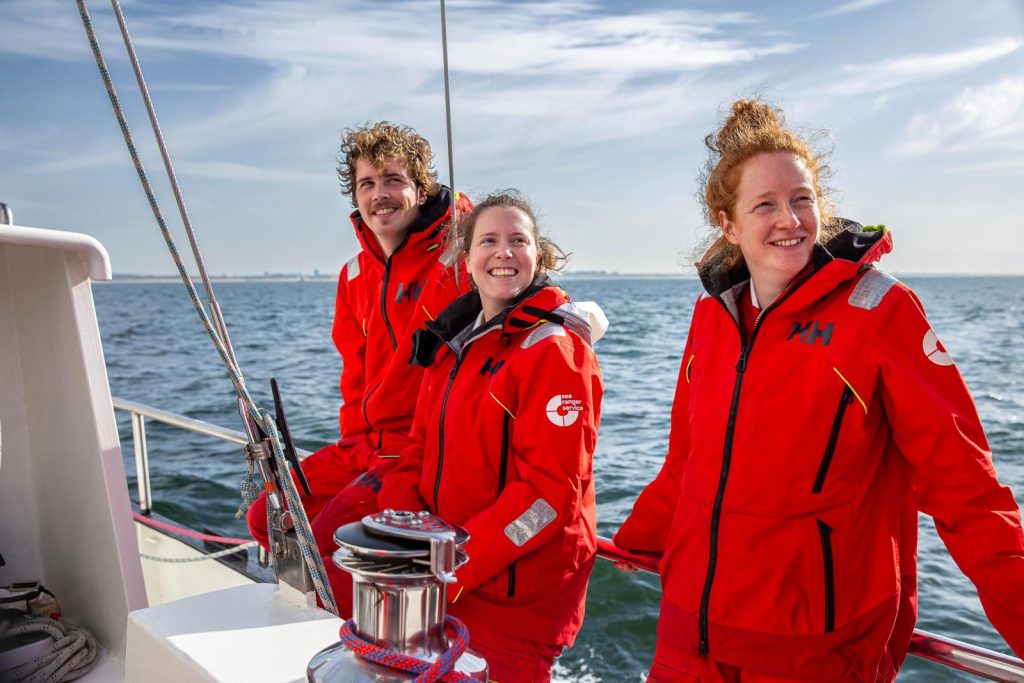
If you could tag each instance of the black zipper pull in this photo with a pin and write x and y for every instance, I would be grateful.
(741, 364)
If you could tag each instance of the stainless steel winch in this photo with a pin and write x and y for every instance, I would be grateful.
(401, 564)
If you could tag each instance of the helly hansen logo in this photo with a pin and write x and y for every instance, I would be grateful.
(812, 332)
(409, 292)
(490, 367)
(368, 480)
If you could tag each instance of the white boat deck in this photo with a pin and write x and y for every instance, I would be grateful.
(238, 635)
(65, 513)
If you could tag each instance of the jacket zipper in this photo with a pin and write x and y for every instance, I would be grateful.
(459, 354)
(730, 429)
(440, 430)
(833, 438)
(825, 532)
(716, 510)
(384, 302)
(502, 477)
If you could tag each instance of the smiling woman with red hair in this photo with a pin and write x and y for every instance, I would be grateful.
(815, 414)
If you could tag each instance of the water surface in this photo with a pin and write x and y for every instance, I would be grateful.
(158, 354)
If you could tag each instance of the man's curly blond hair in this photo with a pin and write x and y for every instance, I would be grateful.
(377, 142)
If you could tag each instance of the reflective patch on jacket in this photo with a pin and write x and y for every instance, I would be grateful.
(585, 319)
(530, 523)
(353, 268)
(543, 332)
(871, 289)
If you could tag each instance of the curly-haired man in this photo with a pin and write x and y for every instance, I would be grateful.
(385, 292)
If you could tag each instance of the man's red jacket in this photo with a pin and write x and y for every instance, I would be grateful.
(380, 302)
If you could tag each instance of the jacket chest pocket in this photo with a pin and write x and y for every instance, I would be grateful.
(833, 439)
(829, 570)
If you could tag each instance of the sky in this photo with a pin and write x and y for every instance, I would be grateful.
(596, 110)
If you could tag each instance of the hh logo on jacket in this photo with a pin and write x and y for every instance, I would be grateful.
(811, 333)
(490, 367)
(409, 291)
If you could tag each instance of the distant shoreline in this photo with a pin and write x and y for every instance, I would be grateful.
(132, 278)
(581, 275)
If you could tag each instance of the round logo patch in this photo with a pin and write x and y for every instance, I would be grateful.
(563, 410)
(934, 350)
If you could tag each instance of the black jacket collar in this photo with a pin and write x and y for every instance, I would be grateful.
(455, 323)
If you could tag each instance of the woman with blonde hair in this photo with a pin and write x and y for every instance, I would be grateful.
(815, 414)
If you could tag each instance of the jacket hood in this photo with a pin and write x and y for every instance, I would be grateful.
(541, 302)
(856, 245)
(427, 231)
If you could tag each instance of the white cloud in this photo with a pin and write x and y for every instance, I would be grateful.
(990, 117)
(570, 73)
(46, 29)
(1010, 166)
(546, 119)
(485, 38)
(216, 170)
(890, 74)
(187, 87)
(854, 6)
(27, 142)
(109, 158)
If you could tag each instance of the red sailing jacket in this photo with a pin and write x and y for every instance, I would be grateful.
(381, 301)
(795, 470)
(503, 444)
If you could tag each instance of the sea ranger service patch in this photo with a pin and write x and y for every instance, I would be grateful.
(934, 350)
(563, 410)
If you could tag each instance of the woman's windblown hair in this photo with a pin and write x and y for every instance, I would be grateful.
(752, 127)
(551, 256)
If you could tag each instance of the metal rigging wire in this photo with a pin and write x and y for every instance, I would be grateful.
(448, 116)
(248, 406)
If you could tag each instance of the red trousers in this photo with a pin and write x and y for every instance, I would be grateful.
(344, 479)
(672, 665)
(511, 660)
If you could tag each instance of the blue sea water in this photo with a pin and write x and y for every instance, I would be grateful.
(157, 353)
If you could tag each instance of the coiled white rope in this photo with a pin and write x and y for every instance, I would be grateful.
(72, 654)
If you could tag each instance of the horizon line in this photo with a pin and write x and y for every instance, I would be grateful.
(318, 277)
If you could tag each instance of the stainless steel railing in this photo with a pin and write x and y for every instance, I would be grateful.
(139, 413)
(980, 661)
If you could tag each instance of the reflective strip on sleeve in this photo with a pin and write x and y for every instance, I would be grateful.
(543, 332)
(353, 268)
(530, 523)
(871, 289)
